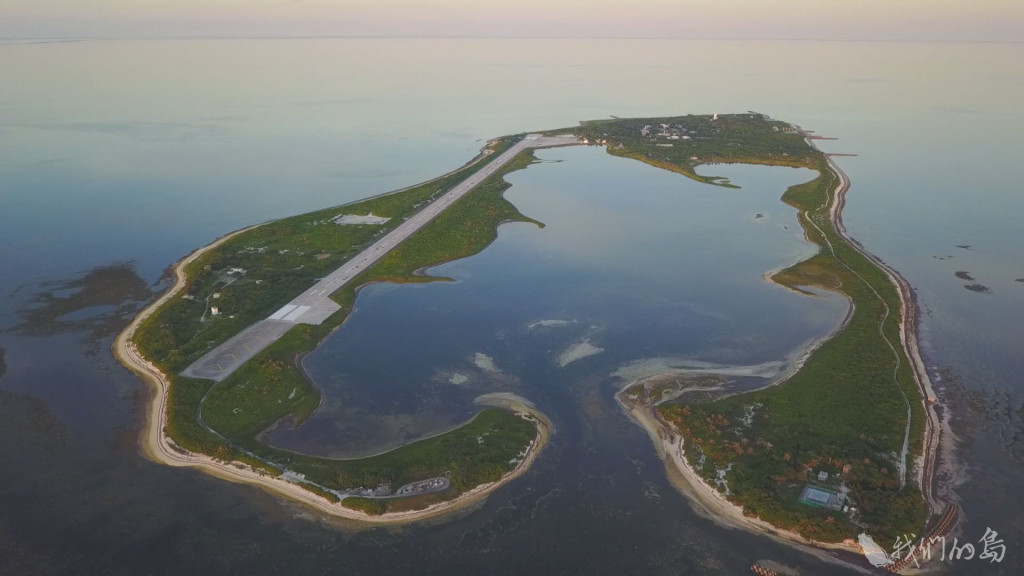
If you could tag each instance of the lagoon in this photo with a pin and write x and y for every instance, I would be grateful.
(634, 263)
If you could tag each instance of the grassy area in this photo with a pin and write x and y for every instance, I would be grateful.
(259, 270)
(695, 140)
(376, 506)
(371, 506)
(480, 451)
(272, 386)
(841, 413)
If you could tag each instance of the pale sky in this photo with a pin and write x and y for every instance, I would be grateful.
(973, 20)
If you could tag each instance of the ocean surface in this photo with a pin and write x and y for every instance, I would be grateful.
(117, 158)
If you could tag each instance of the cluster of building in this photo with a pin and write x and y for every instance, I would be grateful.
(667, 131)
(522, 455)
(383, 490)
(822, 497)
(424, 486)
(600, 142)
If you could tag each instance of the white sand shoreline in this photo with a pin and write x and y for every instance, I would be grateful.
(710, 503)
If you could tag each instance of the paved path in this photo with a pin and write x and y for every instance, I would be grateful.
(315, 305)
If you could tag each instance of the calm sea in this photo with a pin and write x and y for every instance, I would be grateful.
(117, 158)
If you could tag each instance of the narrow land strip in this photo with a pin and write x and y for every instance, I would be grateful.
(938, 436)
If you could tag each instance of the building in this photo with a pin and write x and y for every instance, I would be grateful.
(214, 310)
(822, 498)
(822, 476)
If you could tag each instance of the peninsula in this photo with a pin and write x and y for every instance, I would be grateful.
(844, 444)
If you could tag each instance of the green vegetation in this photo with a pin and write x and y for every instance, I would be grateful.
(268, 387)
(260, 269)
(272, 385)
(474, 454)
(480, 452)
(371, 506)
(376, 506)
(842, 410)
(691, 141)
(469, 226)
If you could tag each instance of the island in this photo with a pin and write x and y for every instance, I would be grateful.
(841, 447)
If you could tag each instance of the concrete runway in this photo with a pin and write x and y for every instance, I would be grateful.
(315, 305)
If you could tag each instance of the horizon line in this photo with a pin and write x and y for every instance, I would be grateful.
(57, 39)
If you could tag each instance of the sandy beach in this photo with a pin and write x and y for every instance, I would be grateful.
(157, 446)
(710, 503)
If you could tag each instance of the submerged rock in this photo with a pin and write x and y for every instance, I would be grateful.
(964, 275)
